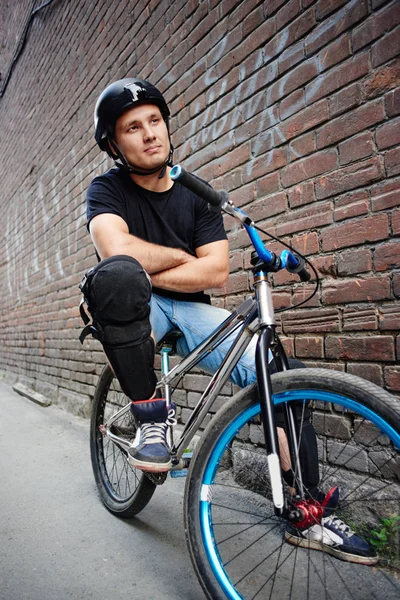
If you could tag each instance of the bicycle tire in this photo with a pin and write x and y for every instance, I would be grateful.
(124, 491)
(246, 557)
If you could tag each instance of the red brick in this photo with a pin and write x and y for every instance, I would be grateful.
(301, 194)
(301, 122)
(389, 317)
(351, 262)
(326, 7)
(351, 205)
(265, 164)
(352, 233)
(356, 290)
(392, 378)
(385, 195)
(338, 77)
(308, 321)
(369, 371)
(289, 10)
(305, 218)
(360, 146)
(272, 205)
(325, 265)
(346, 99)
(288, 36)
(305, 294)
(243, 195)
(225, 163)
(309, 167)
(376, 26)
(288, 345)
(309, 347)
(387, 47)
(306, 243)
(382, 79)
(366, 348)
(359, 318)
(284, 278)
(251, 21)
(334, 53)
(392, 162)
(387, 256)
(256, 125)
(350, 14)
(267, 184)
(293, 80)
(281, 299)
(236, 261)
(343, 127)
(396, 284)
(347, 178)
(388, 134)
(392, 103)
(272, 6)
(302, 146)
(292, 104)
(291, 57)
(396, 221)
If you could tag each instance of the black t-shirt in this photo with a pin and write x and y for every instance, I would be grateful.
(176, 218)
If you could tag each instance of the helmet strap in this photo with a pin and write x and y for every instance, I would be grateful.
(116, 154)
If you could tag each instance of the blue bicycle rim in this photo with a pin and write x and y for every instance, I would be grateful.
(213, 462)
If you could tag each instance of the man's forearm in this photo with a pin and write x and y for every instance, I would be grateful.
(191, 277)
(152, 257)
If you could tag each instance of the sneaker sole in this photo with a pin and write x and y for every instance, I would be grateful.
(149, 467)
(315, 545)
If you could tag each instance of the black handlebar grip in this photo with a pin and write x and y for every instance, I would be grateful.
(304, 275)
(198, 187)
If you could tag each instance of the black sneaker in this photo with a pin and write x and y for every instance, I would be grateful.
(333, 536)
(150, 450)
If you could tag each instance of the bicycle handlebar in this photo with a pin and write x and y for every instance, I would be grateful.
(198, 187)
(219, 200)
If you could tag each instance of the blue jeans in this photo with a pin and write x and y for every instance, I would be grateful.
(197, 321)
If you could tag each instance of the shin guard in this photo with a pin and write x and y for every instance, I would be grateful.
(117, 292)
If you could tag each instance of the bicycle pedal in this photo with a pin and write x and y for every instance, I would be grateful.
(179, 473)
(183, 464)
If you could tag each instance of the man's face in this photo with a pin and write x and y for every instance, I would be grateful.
(142, 136)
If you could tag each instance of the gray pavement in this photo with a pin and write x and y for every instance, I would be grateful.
(57, 541)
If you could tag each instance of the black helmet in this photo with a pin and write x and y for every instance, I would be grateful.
(119, 97)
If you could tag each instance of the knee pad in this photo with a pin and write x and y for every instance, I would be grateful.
(117, 292)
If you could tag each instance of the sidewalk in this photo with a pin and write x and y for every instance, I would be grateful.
(57, 541)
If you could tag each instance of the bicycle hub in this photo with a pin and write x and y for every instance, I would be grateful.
(305, 513)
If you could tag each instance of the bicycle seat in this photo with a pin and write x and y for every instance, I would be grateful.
(169, 340)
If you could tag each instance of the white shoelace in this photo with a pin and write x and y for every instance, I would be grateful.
(338, 524)
(156, 433)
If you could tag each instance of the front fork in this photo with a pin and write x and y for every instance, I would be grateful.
(267, 341)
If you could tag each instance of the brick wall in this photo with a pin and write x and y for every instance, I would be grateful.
(292, 106)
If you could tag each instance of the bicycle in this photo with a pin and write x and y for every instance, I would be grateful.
(236, 504)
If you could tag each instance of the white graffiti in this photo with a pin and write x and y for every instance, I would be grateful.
(41, 247)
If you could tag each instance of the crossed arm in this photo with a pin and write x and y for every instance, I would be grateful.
(169, 268)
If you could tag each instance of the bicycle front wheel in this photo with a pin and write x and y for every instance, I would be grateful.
(125, 491)
(237, 544)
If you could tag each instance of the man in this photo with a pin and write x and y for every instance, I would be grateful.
(146, 228)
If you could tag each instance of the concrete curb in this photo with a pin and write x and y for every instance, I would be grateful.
(24, 390)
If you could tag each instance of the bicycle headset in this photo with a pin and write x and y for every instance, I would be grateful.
(116, 99)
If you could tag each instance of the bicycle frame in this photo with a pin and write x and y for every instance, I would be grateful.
(254, 317)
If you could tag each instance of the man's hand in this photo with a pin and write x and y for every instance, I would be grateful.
(110, 235)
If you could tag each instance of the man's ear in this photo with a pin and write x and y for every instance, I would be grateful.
(111, 149)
